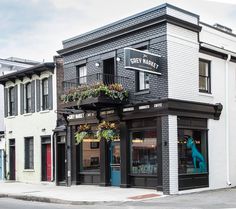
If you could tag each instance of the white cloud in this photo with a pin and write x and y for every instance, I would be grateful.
(66, 4)
(69, 18)
(224, 1)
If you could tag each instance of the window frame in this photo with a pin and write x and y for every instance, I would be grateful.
(138, 73)
(207, 151)
(29, 154)
(45, 96)
(84, 149)
(11, 103)
(28, 98)
(146, 75)
(208, 84)
(131, 151)
(94, 145)
(79, 77)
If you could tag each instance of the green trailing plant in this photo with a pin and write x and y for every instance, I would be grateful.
(114, 91)
(107, 131)
(83, 132)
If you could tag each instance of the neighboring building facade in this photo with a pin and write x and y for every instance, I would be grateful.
(177, 129)
(30, 117)
(7, 66)
(2, 156)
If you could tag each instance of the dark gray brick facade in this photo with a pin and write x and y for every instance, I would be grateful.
(142, 17)
(165, 155)
(110, 40)
(155, 36)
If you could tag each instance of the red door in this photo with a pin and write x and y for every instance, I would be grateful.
(48, 161)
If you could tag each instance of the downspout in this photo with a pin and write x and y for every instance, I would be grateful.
(227, 120)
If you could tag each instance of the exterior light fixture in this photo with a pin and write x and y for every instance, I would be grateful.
(97, 64)
(43, 129)
(118, 59)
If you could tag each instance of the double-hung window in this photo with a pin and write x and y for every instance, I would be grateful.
(204, 76)
(11, 101)
(29, 153)
(45, 101)
(142, 78)
(28, 97)
(44, 94)
(82, 74)
(143, 81)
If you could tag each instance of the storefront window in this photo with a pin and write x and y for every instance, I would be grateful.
(192, 149)
(91, 156)
(144, 152)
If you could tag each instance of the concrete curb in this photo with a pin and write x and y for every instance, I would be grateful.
(58, 201)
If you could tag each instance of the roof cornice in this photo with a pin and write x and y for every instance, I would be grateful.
(158, 20)
(28, 72)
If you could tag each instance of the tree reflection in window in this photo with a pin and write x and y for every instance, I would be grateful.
(144, 152)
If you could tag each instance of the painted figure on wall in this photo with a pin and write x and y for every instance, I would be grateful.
(196, 156)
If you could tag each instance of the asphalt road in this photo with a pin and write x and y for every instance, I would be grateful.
(220, 199)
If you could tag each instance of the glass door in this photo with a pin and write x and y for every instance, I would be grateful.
(115, 163)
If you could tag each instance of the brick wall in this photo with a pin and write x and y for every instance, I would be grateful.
(58, 60)
(165, 155)
(139, 18)
(183, 48)
(173, 154)
(156, 38)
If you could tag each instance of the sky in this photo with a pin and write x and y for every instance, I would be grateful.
(35, 29)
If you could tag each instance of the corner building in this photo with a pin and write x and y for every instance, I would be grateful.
(176, 129)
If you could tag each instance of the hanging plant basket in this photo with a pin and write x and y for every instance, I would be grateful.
(84, 132)
(107, 131)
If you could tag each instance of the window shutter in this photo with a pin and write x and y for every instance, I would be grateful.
(38, 96)
(22, 99)
(50, 93)
(6, 102)
(33, 96)
(16, 100)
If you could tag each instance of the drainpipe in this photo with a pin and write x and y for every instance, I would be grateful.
(227, 119)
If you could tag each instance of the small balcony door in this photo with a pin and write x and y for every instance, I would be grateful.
(109, 71)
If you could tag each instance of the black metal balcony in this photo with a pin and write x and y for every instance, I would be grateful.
(98, 101)
(93, 79)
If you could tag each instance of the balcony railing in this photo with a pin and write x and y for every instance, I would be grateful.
(95, 79)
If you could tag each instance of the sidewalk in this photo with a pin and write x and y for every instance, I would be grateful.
(80, 194)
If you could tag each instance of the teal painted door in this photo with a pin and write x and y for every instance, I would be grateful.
(115, 163)
(1, 165)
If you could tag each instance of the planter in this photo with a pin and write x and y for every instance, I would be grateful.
(108, 131)
(94, 97)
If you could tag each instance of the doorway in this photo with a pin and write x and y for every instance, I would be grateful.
(12, 160)
(46, 159)
(115, 163)
(109, 71)
(61, 165)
